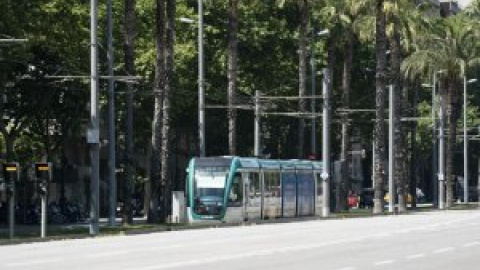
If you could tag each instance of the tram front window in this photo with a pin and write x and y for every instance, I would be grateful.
(209, 190)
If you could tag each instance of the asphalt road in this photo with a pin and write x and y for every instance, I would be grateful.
(435, 240)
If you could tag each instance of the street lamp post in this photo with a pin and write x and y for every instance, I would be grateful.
(434, 140)
(313, 136)
(326, 142)
(465, 139)
(93, 130)
(201, 79)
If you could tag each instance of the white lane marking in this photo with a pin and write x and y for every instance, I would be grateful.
(471, 244)
(32, 263)
(347, 268)
(107, 254)
(415, 256)
(384, 262)
(443, 250)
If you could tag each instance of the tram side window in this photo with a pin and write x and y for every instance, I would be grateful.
(235, 197)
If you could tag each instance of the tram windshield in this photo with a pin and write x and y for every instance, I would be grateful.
(209, 190)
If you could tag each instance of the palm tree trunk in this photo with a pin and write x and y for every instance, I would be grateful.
(399, 135)
(165, 182)
(381, 74)
(232, 76)
(413, 138)
(129, 56)
(155, 164)
(302, 74)
(346, 85)
(453, 114)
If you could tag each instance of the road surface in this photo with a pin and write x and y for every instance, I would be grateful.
(435, 240)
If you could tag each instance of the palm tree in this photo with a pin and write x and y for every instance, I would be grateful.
(403, 20)
(344, 15)
(379, 131)
(129, 56)
(453, 48)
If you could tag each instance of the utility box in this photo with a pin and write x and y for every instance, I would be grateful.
(178, 207)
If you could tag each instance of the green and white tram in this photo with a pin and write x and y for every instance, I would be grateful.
(235, 189)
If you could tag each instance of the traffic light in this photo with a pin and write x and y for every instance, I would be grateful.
(11, 174)
(43, 174)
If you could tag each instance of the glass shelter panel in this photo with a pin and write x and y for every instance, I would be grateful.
(272, 194)
(305, 192)
(289, 194)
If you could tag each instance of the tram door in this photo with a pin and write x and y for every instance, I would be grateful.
(253, 195)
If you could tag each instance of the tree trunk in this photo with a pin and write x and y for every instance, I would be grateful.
(165, 183)
(346, 85)
(381, 48)
(129, 58)
(232, 76)
(399, 130)
(413, 159)
(302, 74)
(155, 162)
(453, 114)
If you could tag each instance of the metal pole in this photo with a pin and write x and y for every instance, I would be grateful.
(434, 141)
(94, 122)
(441, 156)
(11, 212)
(201, 82)
(43, 217)
(326, 143)
(112, 181)
(373, 163)
(465, 142)
(313, 135)
(257, 125)
(391, 191)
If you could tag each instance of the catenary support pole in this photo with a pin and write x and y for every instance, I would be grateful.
(313, 135)
(391, 152)
(326, 143)
(43, 216)
(11, 212)
(257, 125)
(441, 155)
(465, 142)
(93, 136)
(112, 181)
(434, 142)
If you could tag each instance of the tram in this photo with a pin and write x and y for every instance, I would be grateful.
(237, 189)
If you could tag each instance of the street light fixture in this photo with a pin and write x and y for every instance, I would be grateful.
(187, 20)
